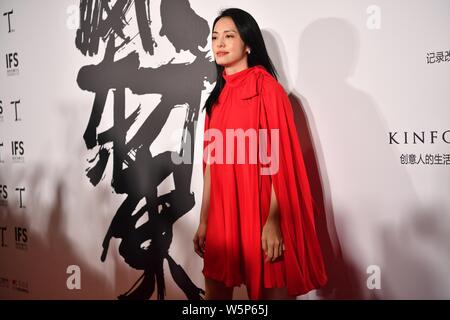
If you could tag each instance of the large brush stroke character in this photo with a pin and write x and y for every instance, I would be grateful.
(136, 171)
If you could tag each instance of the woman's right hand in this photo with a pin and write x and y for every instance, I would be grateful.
(199, 239)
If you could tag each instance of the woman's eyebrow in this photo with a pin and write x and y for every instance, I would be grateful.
(225, 31)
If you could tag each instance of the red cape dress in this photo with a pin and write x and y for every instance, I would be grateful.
(240, 194)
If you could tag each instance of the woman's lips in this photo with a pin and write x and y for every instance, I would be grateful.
(220, 54)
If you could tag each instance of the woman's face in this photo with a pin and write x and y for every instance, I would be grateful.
(228, 47)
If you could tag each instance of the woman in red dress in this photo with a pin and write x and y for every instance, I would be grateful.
(257, 218)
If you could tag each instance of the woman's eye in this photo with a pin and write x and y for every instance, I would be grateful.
(229, 36)
(214, 38)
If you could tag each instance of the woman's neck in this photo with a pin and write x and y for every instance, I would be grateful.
(236, 68)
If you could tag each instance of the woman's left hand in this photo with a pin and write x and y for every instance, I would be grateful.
(272, 240)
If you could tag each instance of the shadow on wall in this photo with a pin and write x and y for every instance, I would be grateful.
(417, 254)
(359, 185)
(345, 280)
(39, 261)
(342, 280)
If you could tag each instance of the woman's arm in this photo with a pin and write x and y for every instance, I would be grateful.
(200, 235)
(271, 237)
(205, 198)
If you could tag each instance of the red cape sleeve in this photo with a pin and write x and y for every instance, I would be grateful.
(303, 258)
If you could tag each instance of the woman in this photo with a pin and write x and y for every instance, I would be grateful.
(256, 222)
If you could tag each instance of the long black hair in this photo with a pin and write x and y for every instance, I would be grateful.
(250, 33)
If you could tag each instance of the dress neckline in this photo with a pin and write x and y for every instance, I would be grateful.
(237, 77)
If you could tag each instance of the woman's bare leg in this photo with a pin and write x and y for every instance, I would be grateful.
(216, 290)
(276, 294)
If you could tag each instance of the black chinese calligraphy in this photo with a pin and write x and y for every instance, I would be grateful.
(137, 172)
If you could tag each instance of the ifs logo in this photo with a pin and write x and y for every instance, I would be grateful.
(21, 237)
(3, 195)
(8, 15)
(17, 151)
(12, 64)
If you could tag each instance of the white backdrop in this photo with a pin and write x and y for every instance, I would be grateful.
(368, 81)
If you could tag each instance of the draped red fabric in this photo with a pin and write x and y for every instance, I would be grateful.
(253, 101)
